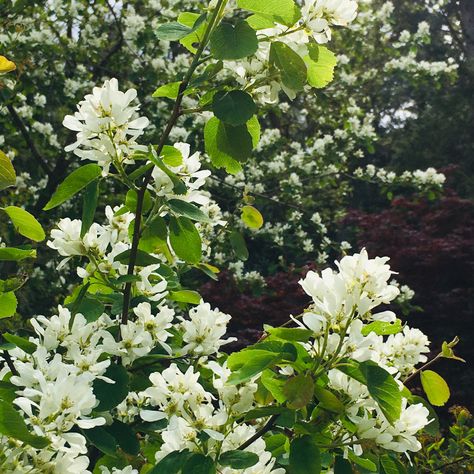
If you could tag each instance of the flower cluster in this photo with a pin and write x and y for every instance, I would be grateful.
(106, 126)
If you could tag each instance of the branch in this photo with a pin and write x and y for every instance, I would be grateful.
(267, 427)
(9, 362)
(147, 178)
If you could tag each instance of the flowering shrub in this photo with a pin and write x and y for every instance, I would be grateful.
(128, 375)
(302, 173)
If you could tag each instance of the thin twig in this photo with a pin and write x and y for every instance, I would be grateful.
(171, 123)
(267, 427)
(9, 362)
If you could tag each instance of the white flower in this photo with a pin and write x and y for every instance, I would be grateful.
(151, 284)
(407, 349)
(204, 330)
(318, 15)
(157, 324)
(106, 125)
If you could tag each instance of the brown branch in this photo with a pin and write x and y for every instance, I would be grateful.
(147, 178)
(267, 427)
(9, 362)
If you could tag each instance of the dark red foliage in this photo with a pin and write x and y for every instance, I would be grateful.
(282, 296)
(431, 245)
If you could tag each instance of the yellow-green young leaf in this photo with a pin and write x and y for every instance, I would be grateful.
(12, 254)
(435, 387)
(170, 90)
(320, 63)
(8, 304)
(6, 65)
(185, 296)
(7, 172)
(74, 183)
(252, 217)
(171, 156)
(25, 223)
(285, 12)
(197, 24)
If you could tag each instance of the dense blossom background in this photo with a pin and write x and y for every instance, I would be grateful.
(382, 159)
(398, 102)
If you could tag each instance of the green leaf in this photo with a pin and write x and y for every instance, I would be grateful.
(251, 217)
(91, 308)
(227, 146)
(172, 463)
(185, 239)
(7, 172)
(292, 68)
(277, 444)
(239, 246)
(229, 42)
(320, 63)
(7, 391)
(89, 205)
(273, 385)
(305, 457)
(260, 22)
(383, 389)
(328, 400)
(238, 459)
(290, 334)
(199, 464)
(171, 156)
(175, 31)
(102, 440)
(125, 437)
(188, 209)
(155, 238)
(248, 363)
(21, 342)
(342, 466)
(382, 328)
(285, 12)
(362, 462)
(234, 107)
(435, 387)
(8, 304)
(299, 391)
(110, 395)
(12, 254)
(143, 258)
(185, 296)
(172, 31)
(25, 223)
(12, 425)
(171, 91)
(74, 183)
(391, 465)
(131, 200)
